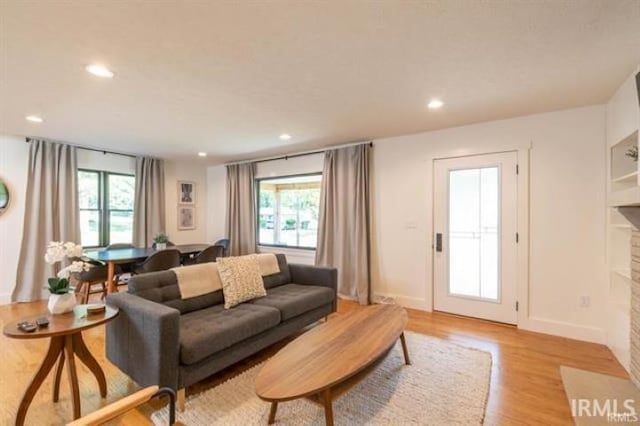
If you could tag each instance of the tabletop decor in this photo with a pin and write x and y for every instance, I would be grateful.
(161, 239)
(62, 299)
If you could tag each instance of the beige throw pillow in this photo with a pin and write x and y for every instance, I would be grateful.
(241, 279)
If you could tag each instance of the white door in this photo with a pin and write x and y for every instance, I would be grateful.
(475, 241)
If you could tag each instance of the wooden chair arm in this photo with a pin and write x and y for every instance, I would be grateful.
(116, 408)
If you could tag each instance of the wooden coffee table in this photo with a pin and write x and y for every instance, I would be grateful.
(66, 342)
(326, 357)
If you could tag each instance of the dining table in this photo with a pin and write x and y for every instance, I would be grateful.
(137, 254)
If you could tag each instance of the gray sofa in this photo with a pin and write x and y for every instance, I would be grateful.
(160, 339)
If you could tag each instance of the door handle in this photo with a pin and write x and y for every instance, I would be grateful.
(438, 242)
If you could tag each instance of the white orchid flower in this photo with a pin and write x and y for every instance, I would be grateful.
(77, 266)
(57, 251)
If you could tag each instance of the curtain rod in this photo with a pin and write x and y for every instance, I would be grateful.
(105, 152)
(300, 154)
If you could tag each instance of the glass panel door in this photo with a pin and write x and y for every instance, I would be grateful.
(475, 250)
(473, 232)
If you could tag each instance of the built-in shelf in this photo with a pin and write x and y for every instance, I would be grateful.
(621, 225)
(625, 197)
(623, 168)
(629, 177)
(623, 272)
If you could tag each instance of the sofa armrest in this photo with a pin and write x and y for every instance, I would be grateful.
(144, 340)
(316, 275)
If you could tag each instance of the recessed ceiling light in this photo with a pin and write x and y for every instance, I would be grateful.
(285, 137)
(435, 104)
(99, 70)
(202, 154)
(34, 119)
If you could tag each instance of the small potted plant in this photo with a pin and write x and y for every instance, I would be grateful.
(62, 299)
(161, 239)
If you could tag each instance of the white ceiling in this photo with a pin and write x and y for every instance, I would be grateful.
(229, 77)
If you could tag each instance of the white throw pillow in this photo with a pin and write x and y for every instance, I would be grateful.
(241, 279)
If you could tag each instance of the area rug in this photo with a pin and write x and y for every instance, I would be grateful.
(600, 399)
(446, 384)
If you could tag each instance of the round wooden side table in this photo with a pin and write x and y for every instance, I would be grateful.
(66, 342)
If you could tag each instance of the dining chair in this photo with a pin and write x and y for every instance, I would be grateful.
(159, 261)
(210, 254)
(86, 280)
(224, 243)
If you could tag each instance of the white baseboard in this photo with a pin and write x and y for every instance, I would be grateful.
(5, 298)
(565, 329)
(539, 325)
(407, 302)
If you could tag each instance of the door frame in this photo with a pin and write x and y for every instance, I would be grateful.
(522, 225)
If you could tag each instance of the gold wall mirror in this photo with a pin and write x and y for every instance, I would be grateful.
(4, 197)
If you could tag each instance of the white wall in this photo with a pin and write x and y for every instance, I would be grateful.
(567, 213)
(94, 160)
(216, 203)
(14, 153)
(186, 171)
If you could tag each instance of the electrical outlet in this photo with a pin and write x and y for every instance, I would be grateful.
(585, 301)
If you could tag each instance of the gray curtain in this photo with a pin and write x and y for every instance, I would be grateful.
(149, 204)
(51, 214)
(343, 227)
(241, 208)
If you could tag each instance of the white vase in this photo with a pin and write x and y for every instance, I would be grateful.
(161, 246)
(61, 303)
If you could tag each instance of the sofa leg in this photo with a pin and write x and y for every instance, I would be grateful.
(180, 401)
(326, 319)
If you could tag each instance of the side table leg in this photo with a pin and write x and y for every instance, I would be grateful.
(272, 413)
(73, 376)
(55, 347)
(56, 382)
(328, 409)
(405, 351)
(87, 359)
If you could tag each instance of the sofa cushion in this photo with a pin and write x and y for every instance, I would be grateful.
(295, 299)
(283, 277)
(205, 332)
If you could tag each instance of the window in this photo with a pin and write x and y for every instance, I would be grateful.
(106, 207)
(288, 209)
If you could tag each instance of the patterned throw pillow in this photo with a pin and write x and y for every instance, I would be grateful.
(241, 279)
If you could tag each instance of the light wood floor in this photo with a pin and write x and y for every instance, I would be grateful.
(525, 382)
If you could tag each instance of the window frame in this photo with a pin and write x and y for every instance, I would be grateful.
(257, 182)
(103, 204)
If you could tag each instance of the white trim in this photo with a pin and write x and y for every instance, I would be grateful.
(522, 148)
(565, 329)
(311, 254)
(522, 291)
